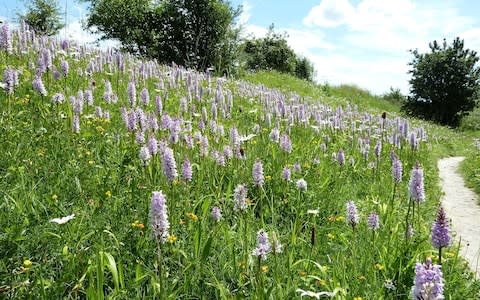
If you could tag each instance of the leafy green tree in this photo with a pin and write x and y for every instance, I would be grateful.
(273, 53)
(270, 53)
(304, 69)
(444, 83)
(43, 16)
(191, 33)
(394, 95)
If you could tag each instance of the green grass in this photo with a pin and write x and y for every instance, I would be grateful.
(333, 95)
(108, 249)
(471, 165)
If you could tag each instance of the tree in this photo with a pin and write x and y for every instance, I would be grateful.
(270, 53)
(304, 69)
(444, 83)
(273, 53)
(43, 16)
(191, 33)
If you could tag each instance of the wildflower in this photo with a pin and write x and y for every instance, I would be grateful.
(316, 295)
(216, 214)
(5, 38)
(341, 157)
(89, 97)
(388, 284)
(264, 269)
(132, 93)
(410, 231)
(76, 123)
(440, 234)
(352, 215)
(330, 236)
(159, 217)
(63, 220)
(145, 96)
(373, 221)
(378, 149)
(275, 135)
(286, 143)
(37, 84)
(108, 194)
(416, 187)
(428, 283)
(186, 170)
(54, 197)
(263, 245)
(286, 174)
(257, 173)
(239, 197)
(192, 216)
(152, 145)
(58, 98)
(158, 105)
(379, 267)
(397, 170)
(171, 239)
(65, 67)
(10, 79)
(169, 165)
(145, 155)
(301, 184)
(27, 263)
(296, 167)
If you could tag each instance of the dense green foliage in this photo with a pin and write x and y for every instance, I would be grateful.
(394, 95)
(471, 165)
(471, 121)
(444, 83)
(43, 16)
(50, 168)
(272, 52)
(191, 33)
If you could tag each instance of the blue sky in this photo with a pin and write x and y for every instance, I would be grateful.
(364, 42)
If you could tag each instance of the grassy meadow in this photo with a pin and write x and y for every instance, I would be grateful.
(256, 175)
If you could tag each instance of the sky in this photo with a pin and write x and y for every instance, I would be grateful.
(362, 42)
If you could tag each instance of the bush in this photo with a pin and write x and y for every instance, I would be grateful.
(394, 95)
(444, 83)
(273, 53)
(471, 121)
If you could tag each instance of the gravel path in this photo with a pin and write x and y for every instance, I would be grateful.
(461, 206)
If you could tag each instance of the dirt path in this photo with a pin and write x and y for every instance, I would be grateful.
(461, 206)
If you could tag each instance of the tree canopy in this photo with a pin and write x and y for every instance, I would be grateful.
(192, 33)
(43, 16)
(444, 82)
(272, 52)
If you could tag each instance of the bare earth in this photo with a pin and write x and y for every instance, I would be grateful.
(461, 206)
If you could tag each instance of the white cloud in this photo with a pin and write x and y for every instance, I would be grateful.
(375, 36)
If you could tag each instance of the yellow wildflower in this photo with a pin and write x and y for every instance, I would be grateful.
(108, 194)
(362, 278)
(171, 238)
(54, 197)
(192, 216)
(264, 269)
(91, 162)
(379, 267)
(27, 263)
(330, 236)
